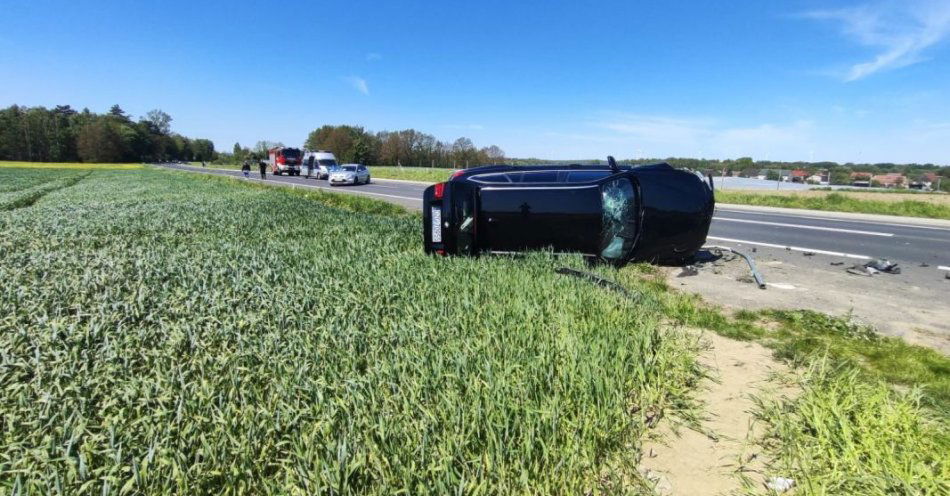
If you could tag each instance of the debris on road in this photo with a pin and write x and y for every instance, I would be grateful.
(689, 270)
(808, 253)
(837, 263)
(755, 272)
(861, 270)
(884, 265)
(780, 484)
(873, 267)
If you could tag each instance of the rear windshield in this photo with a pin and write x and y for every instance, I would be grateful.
(291, 152)
(351, 168)
(619, 219)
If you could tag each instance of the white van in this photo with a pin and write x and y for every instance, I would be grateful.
(323, 163)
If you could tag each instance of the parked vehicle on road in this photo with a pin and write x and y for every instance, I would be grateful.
(350, 174)
(652, 213)
(323, 162)
(284, 160)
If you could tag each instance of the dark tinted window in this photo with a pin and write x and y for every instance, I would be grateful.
(326, 162)
(584, 176)
(291, 153)
(490, 178)
(539, 177)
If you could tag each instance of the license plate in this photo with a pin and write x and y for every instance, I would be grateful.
(436, 224)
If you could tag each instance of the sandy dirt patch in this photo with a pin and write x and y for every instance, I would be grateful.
(718, 456)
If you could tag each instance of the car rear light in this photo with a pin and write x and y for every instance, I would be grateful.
(439, 191)
(441, 252)
(457, 174)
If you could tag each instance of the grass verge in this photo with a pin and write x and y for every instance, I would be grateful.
(845, 434)
(872, 415)
(420, 174)
(164, 333)
(65, 165)
(838, 202)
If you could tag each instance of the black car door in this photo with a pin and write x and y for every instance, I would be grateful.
(531, 213)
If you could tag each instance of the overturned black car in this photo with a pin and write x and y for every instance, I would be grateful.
(619, 214)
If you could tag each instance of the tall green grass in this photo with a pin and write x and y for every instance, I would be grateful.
(164, 334)
(23, 187)
(844, 434)
(838, 202)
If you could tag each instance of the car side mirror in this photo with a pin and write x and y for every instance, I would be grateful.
(613, 164)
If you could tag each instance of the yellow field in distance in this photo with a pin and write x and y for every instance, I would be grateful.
(66, 165)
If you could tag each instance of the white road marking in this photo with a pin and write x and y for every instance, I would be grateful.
(943, 267)
(796, 248)
(780, 285)
(801, 226)
(832, 219)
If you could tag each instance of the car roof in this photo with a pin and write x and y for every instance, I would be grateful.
(465, 173)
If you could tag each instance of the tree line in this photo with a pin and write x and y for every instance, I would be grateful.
(409, 147)
(63, 134)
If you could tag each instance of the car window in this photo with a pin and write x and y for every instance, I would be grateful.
(361, 168)
(349, 168)
(539, 177)
(620, 216)
(584, 176)
(490, 178)
(326, 162)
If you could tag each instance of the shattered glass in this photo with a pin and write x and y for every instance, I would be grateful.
(619, 219)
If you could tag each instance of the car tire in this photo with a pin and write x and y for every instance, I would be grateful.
(367, 179)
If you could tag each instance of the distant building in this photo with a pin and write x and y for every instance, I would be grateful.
(799, 175)
(861, 179)
(890, 180)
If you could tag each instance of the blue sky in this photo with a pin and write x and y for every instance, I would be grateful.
(792, 80)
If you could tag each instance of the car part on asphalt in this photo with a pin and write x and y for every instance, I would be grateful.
(755, 272)
(884, 265)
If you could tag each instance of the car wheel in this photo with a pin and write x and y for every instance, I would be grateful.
(367, 179)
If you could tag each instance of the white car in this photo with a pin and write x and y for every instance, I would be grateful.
(350, 174)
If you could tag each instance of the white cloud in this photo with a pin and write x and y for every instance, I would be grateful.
(358, 83)
(373, 56)
(662, 136)
(901, 30)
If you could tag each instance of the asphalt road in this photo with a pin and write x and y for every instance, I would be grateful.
(847, 239)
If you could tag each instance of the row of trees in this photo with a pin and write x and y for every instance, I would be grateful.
(407, 148)
(63, 134)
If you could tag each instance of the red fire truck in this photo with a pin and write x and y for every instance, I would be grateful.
(284, 160)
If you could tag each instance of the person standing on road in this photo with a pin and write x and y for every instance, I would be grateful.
(260, 165)
(309, 166)
(246, 169)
